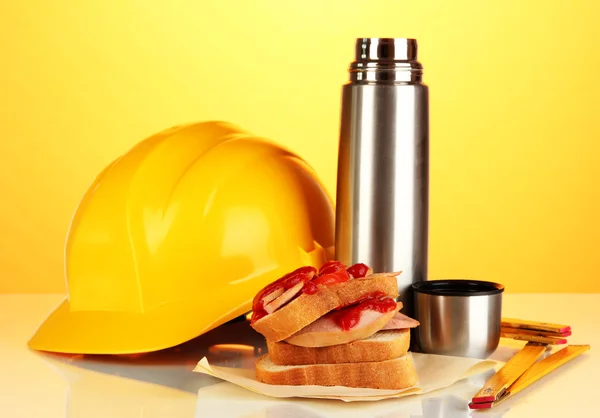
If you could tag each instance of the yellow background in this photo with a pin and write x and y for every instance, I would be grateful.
(515, 130)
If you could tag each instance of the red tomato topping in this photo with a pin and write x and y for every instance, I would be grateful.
(358, 270)
(329, 273)
(302, 274)
(310, 288)
(331, 267)
(330, 278)
(348, 317)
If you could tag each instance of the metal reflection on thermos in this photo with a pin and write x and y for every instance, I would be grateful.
(383, 163)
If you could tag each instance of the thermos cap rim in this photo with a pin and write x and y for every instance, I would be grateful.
(458, 287)
(386, 49)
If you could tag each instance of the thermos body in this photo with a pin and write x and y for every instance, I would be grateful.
(382, 201)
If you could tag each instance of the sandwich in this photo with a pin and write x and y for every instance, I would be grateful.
(334, 326)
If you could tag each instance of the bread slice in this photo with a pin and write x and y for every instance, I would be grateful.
(307, 308)
(383, 345)
(396, 373)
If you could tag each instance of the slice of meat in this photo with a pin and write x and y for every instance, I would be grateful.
(400, 321)
(284, 298)
(272, 296)
(326, 331)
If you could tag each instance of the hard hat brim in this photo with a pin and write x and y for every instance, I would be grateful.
(114, 332)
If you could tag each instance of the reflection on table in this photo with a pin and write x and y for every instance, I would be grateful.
(162, 384)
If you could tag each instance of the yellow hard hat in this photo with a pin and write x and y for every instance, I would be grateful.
(177, 236)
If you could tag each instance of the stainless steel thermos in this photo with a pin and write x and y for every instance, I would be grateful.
(382, 200)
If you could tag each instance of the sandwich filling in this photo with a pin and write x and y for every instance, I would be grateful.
(348, 317)
(303, 280)
(401, 321)
(348, 324)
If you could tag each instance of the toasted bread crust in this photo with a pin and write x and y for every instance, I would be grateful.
(396, 373)
(308, 308)
(283, 353)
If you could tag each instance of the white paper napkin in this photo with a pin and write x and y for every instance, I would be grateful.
(434, 372)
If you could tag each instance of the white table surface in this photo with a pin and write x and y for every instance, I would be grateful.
(162, 384)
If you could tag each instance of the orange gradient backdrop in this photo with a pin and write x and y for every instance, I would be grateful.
(515, 137)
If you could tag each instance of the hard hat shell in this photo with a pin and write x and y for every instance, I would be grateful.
(176, 237)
